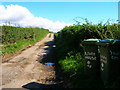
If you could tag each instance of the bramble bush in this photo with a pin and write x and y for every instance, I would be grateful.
(70, 54)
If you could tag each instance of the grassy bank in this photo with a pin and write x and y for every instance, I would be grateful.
(15, 39)
(70, 54)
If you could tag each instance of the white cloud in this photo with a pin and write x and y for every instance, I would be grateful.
(19, 15)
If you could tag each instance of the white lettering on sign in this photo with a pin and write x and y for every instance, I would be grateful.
(103, 58)
(115, 55)
(114, 58)
(88, 62)
(89, 66)
(102, 65)
(103, 61)
(102, 69)
(90, 55)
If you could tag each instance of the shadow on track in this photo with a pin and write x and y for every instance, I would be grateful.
(48, 57)
(40, 86)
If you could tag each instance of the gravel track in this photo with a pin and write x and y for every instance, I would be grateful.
(27, 70)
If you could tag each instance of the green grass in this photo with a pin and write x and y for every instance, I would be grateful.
(46, 42)
(72, 64)
(22, 66)
(50, 36)
(12, 48)
(26, 63)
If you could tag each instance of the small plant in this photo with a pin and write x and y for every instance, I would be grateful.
(22, 66)
(26, 63)
(50, 36)
(46, 42)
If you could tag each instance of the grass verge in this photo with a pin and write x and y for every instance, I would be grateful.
(20, 45)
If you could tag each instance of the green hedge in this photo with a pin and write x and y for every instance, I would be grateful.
(70, 54)
(13, 34)
(15, 39)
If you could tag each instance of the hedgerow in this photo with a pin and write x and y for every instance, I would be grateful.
(70, 53)
(15, 39)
